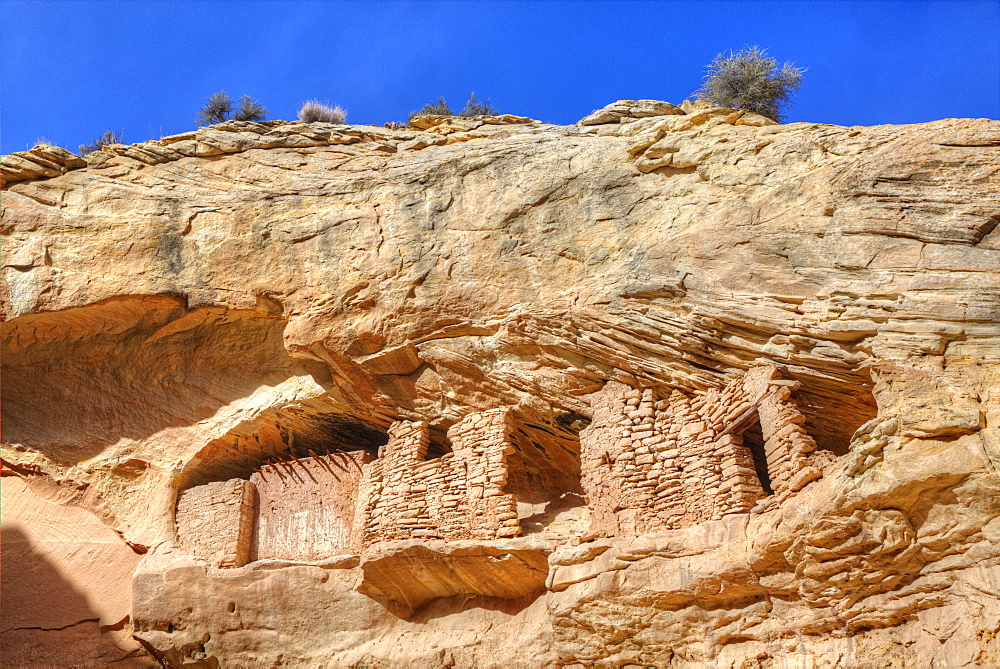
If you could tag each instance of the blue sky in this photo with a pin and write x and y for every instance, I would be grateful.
(70, 69)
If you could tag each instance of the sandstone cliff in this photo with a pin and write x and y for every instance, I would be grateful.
(205, 311)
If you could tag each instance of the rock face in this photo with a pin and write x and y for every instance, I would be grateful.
(41, 161)
(65, 582)
(627, 110)
(675, 386)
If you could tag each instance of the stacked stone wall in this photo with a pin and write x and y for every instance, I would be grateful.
(457, 496)
(788, 444)
(215, 521)
(305, 508)
(483, 442)
(648, 464)
(313, 508)
(651, 464)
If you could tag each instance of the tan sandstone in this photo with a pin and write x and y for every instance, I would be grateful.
(675, 386)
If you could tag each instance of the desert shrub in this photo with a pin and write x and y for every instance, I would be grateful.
(108, 138)
(473, 107)
(217, 109)
(249, 110)
(314, 110)
(439, 108)
(476, 108)
(750, 80)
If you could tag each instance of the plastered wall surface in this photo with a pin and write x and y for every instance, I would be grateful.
(305, 508)
(215, 521)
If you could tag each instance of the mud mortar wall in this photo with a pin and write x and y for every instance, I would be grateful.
(650, 465)
(215, 521)
(314, 508)
(457, 496)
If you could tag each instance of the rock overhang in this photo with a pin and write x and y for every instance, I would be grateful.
(689, 259)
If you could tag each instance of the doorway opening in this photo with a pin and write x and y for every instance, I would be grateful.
(753, 439)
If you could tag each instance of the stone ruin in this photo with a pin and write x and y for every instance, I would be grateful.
(216, 521)
(651, 464)
(313, 508)
(457, 496)
(305, 509)
(648, 464)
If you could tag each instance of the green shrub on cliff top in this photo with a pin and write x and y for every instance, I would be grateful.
(439, 108)
(476, 108)
(250, 110)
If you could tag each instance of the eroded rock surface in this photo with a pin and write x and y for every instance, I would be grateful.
(66, 582)
(202, 308)
(629, 109)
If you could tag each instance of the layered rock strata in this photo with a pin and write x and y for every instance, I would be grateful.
(189, 311)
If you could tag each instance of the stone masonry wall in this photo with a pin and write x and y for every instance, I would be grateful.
(313, 508)
(648, 464)
(457, 496)
(215, 521)
(651, 464)
(305, 508)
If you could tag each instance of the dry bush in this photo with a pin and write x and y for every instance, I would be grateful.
(750, 80)
(312, 111)
(250, 110)
(439, 108)
(473, 107)
(108, 138)
(217, 109)
(476, 108)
